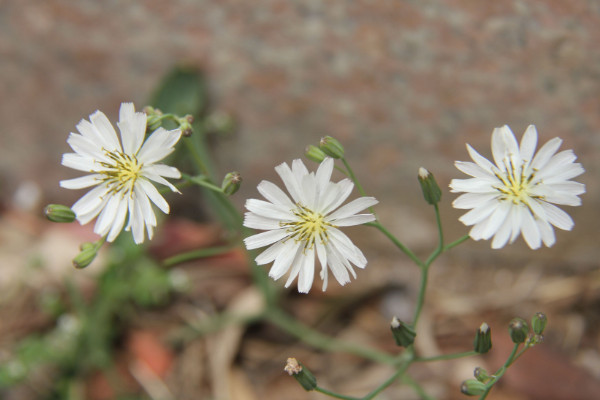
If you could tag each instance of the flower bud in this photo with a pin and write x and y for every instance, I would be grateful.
(332, 147)
(404, 334)
(59, 213)
(86, 255)
(538, 323)
(472, 387)
(301, 374)
(518, 330)
(483, 339)
(314, 153)
(231, 183)
(153, 119)
(185, 124)
(430, 188)
(481, 375)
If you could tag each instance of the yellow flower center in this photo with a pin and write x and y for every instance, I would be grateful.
(122, 172)
(309, 226)
(517, 186)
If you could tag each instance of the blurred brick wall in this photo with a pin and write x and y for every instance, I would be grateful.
(401, 83)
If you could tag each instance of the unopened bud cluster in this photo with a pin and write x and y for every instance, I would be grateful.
(59, 213)
(483, 339)
(231, 183)
(429, 186)
(331, 147)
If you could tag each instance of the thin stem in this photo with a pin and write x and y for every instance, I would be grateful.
(440, 247)
(195, 254)
(416, 387)
(456, 242)
(500, 372)
(201, 180)
(421, 298)
(356, 182)
(446, 356)
(396, 242)
(335, 395)
(401, 370)
(324, 342)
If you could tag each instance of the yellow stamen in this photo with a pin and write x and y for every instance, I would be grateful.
(309, 226)
(122, 172)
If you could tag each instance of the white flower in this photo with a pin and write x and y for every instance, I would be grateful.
(306, 225)
(121, 172)
(517, 194)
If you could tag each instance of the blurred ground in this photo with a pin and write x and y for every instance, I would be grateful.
(402, 84)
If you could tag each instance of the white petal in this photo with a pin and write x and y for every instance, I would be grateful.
(347, 248)
(483, 162)
(290, 182)
(163, 170)
(158, 145)
(119, 222)
(530, 231)
(473, 200)
(133, 128)
(558, 217)
(352, 208)
(322, 256)
(78, 162)
(90, 200)
(269, 210)
(355, 220)
(264, 238)
(255, 221)
(106, 130)
(154, 195)
(296, 265)
(335, 195)
(496, 220)
(474, 170)
(528, 144)
(285, 259)
(108, 214)
(307, 271)
(273, 252)
(274, 194)
(81, 182)
(501, 237)
(547, 232)
(545, 153)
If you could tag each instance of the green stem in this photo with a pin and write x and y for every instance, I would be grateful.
(201, 180)
(195, 254)
(456, 242)
(401, 370)
(335, 395)
(402, 247)
(446, 356)
(416, 387)
(440, 247)
(323, 342)
(421, 298)
(500, 372)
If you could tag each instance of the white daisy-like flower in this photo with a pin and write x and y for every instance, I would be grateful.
(121, 172)
(517, 195)
(307, 225)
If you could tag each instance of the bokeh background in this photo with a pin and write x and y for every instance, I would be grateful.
(402, 84)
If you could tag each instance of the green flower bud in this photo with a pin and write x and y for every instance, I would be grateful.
(185, 124)
(231, 183)
(314, 153)
(332, 147)
(430, 188)
(404, 334)
(538, 323)
(301, 374)
(153, 119)
(59, 213)
(481, 375)
(86, 256)
(483, 339)
(518, 330)
(472, 387)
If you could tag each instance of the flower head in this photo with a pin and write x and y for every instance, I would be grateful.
(120, 172)
(517, 195)
(307, 225)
